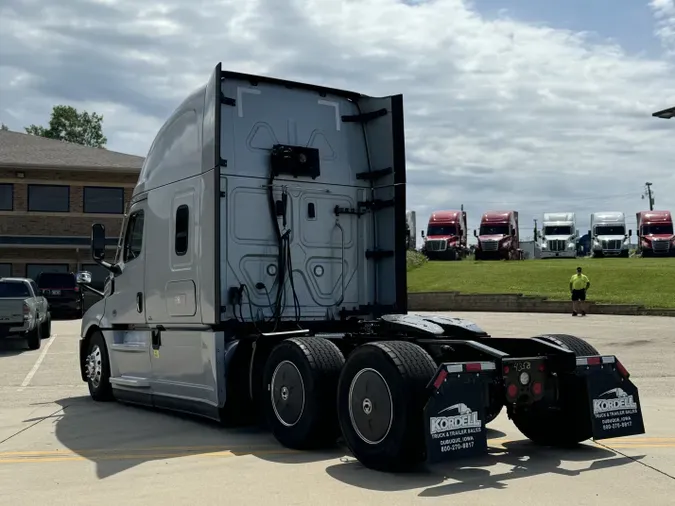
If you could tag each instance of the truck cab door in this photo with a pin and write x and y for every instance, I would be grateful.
(127, 335)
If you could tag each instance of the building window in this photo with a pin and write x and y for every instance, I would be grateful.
(49, 198)
(6, 197)
(103, 200)
(5, 270)
(182, 227)
(32, 270)
(99, 275)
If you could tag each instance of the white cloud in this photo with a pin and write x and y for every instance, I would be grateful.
(664, 12)
(499, 113)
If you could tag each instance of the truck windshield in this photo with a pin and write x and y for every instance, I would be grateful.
(610, 230)
(494, 229)
(563, 230)
(661, 228)
(9, 289)
(442, 230)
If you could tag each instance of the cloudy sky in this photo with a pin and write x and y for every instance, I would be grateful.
(523, 104)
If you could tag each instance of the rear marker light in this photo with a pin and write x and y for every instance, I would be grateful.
(440, 378)
(593, 360)
(506, 369)
(474, 367)
(512, 390)
(536, 388)
(542, 367)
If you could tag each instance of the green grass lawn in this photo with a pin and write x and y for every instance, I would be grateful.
(646, 281)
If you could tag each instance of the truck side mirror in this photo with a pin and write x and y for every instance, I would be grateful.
(630, 233)
(422, 233)
(589, 233)
(474, 233)
(98, 242)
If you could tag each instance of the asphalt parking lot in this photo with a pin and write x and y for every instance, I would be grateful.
(59, 447)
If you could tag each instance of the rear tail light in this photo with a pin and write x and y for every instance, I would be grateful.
(474, 367)
(512, 391)
(26, 311)
(536, 388)
(622, 370)
(77, 289)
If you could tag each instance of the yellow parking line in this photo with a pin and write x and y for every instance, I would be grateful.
(140, 456)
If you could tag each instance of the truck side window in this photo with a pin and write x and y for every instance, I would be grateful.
(182, 227)
(133, 242)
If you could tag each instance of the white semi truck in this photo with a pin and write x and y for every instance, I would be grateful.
(262, 271)
(411, 229)
(608, 234)
(559, 235)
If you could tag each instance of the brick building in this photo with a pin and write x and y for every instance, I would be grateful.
(51, 192)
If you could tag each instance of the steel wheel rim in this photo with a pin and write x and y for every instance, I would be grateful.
(94, 366)
(287, 393)
(370, 409)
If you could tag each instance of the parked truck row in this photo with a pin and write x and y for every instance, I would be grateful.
(498, 235)
(286, 302)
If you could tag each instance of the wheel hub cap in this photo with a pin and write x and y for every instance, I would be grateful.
(287, 391)
(93, 366)
(371, 408)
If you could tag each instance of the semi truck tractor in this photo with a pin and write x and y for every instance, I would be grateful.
(559, 235)
(498, 236)
(410, 230)
(261, 275)
(609, 237)
(655, 233)
(446, 237)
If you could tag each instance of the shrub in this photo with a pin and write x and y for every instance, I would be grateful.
(414, 259)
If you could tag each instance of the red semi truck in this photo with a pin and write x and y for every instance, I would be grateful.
(446, 237)
(498, 237)
(655, 233)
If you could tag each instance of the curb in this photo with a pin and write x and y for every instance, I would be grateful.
(519, 303)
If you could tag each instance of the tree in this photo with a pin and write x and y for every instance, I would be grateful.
(67, 124)
(3, 126)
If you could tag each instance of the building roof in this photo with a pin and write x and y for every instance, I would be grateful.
(19, 150)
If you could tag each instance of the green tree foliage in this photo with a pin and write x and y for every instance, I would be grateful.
(67, 124)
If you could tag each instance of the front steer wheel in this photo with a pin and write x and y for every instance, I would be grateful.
(381, 398)
(97, 369)
(300, 378)
(568, 422)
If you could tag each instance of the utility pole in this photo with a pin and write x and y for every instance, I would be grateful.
(536, 232)
(648, 193)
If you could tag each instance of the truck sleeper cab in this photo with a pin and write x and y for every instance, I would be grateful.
(446, 237)
(559, 235)
(498, 236)
(655, 233)
(608, 234)
(261, 273)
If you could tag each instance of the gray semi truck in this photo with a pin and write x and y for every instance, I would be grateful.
(261, 275)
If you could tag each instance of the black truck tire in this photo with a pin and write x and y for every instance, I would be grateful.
(299, 402)
(565, 425)
(47, 327)
(97, 359)
(34, 338)
(381, 398)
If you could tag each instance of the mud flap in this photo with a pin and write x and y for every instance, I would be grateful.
(455, 413)
(614, 402)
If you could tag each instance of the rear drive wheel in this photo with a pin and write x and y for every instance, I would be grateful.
(97, 369)
(381, 398)
(301, 376)
(34, 338)
(568, 422)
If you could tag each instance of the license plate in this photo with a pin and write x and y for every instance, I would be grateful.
(56, 292)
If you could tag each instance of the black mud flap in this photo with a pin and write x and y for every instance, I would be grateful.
(455, 413)
(614, 401)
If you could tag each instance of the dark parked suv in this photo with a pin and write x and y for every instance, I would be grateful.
(64, 296)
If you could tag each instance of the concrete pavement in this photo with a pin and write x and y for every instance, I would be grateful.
(58, 446)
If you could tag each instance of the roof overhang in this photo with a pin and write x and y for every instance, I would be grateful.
(665, 114)
(21, 166)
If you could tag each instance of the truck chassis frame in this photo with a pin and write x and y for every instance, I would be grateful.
(403, 390)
